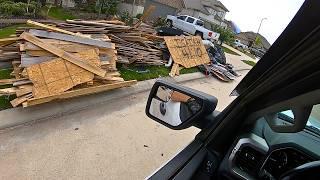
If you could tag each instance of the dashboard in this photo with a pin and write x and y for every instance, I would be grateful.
(265, 154)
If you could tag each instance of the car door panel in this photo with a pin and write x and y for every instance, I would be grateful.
(171, 168)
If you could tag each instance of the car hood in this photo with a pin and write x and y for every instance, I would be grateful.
(290, 56)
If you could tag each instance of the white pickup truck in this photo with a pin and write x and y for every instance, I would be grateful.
(192, 26)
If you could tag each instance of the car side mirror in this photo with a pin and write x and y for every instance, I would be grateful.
(178, 107)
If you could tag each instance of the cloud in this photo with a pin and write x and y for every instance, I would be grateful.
(247, 14)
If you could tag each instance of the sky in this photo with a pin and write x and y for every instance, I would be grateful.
(247, 14)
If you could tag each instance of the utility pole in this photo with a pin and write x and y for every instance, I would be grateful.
(255, 39)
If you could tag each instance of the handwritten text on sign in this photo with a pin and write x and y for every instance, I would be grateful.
(187, 51)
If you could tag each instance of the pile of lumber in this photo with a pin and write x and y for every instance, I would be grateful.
(135, 45)
(55, 63)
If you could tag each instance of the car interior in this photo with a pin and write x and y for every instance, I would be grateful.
(270, 131)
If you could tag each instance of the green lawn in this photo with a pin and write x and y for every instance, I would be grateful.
(229, 51)
(153, 72)
(5, 100)
(7, 31)
(251, 63)
(59, 13)
(5, 73)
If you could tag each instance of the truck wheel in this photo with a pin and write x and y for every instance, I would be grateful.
(169, 23)
(199, 34)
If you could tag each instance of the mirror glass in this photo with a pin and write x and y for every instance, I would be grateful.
(173, 107)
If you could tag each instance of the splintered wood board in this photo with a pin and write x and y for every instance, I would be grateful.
(76, 39)
(58, 75)
(63, 54)
(187, 51)
(54, 28)
(79, 92)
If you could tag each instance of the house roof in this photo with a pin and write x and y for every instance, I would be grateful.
(250, 36)
(178, 4)
(214, 4)
(196, 5)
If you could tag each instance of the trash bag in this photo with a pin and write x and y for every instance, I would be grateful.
(217, 55)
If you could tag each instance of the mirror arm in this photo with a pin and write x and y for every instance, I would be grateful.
(207, 120)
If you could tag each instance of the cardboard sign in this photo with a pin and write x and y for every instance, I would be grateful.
(187, 51)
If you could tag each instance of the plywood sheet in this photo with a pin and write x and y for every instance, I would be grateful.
(187, 51)
(59, 75)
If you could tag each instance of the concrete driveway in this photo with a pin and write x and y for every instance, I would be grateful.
(114, 140)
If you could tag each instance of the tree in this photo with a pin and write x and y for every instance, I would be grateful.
(226, 35)
(258, 41)
(107, 6)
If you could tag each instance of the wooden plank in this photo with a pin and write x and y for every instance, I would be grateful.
(55, 29)
(65, 55)
(8, 91)
(76, 39)
(24, 91)
(7, 41)
(22, 82)
(113, 26)
(174, 69)
(7, 81)
(19, 100)
(79, 92)
(27, 61)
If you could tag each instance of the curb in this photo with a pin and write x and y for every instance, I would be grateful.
(18, 116)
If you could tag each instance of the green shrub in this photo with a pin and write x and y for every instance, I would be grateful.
(138, 16)
(159, 22)
(6, 8)
(126, 17)
(11, 8)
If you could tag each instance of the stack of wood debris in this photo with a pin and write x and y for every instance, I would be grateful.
(135, 45)
(56, 64)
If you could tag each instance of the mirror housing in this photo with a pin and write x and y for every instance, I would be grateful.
(207, 104)
(301, 116)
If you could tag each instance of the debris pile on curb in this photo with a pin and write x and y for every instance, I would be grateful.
(59, 64)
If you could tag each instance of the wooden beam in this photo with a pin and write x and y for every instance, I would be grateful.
(55, 29)
(76, 39)
(8, 91)
(7, 41)
(19, 100)
(7, 81)
(24, 91)
(65, 55)
(174, 69)
(79, 92)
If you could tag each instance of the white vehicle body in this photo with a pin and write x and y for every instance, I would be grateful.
(192, 26)
(238, 43)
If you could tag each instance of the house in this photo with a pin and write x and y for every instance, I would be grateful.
(134, 7)
(164, 7)
(248, 38)
(212, 12)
